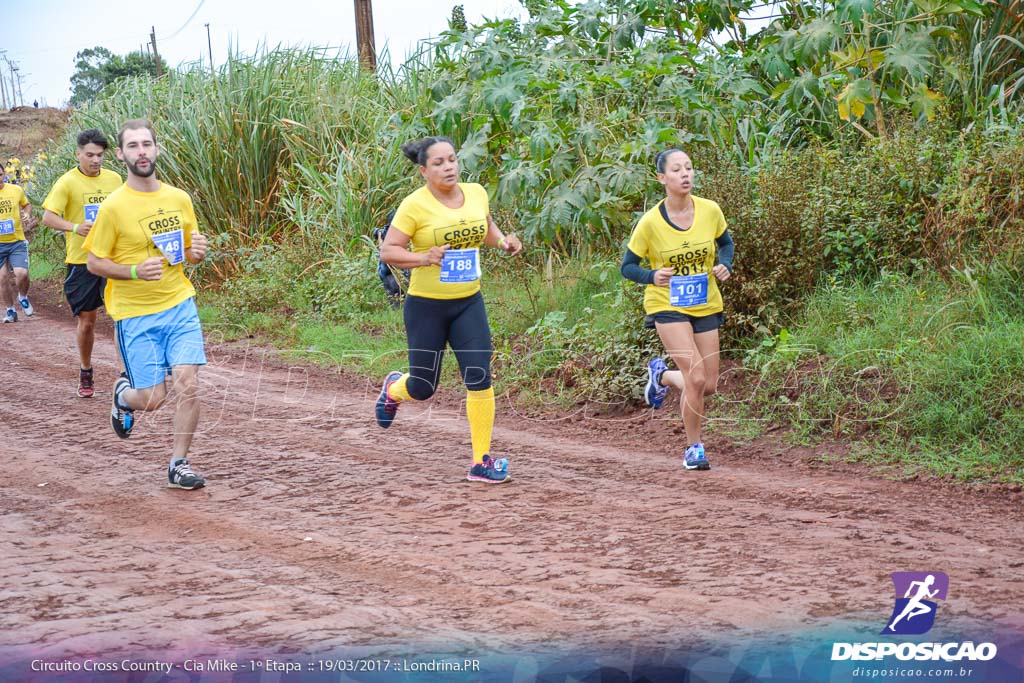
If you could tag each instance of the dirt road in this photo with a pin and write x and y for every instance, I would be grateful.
(317, 530)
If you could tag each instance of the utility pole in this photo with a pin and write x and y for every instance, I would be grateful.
(156, 55)
(3, 88)
(209, 46)
(14, 87)
(364, 35)
(15, 70)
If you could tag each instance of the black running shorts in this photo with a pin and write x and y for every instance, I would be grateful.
(84, 291)
(703, 323)
(433, 324)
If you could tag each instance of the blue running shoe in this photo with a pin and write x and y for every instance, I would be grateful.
(121, 419)
(490, 471)
(25, 305)
(11, 317)
(387, 406)
(654, 394)
(694, 459)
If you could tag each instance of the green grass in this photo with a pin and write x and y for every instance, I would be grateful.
(925, 373)
(921, 375)
(42, 266)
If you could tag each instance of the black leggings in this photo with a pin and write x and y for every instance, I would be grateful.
(430, 324)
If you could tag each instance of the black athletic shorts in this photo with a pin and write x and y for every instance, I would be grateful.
(702, 323)
(84, 291)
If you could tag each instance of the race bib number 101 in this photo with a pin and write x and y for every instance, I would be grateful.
(90, 212)
(461, 265)
(171, 245)
(688, 290)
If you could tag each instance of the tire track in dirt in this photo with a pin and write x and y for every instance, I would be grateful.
(597, 542)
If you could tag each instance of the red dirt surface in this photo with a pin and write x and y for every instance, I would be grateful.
(317, 530)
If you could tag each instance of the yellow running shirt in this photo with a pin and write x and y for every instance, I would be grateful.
(12, 198)
(76, 197)
(431, 224)
(688, 252)
(127, 229)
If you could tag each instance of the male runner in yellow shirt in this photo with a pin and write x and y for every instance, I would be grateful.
(143, 233)
(71, 208)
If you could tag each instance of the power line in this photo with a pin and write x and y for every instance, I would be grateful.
(187, 21)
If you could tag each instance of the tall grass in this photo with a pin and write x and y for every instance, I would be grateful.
(282, 146)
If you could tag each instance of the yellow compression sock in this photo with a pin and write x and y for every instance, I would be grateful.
(480, 411)
(397, 390)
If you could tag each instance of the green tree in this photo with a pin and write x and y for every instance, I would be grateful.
(98, 67)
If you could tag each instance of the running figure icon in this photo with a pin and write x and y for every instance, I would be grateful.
(916, 607)
(914, 612)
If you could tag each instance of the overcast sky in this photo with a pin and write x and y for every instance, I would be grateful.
(41, 37)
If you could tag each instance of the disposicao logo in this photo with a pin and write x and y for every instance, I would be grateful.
(914, 614)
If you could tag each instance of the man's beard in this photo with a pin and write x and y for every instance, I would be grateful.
(139, 172)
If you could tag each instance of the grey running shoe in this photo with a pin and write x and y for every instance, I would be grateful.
(181, 476)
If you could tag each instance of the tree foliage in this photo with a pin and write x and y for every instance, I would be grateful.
(98, 67)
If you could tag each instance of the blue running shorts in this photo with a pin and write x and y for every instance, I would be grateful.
(151, 345)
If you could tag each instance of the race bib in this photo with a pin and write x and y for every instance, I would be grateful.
(90, 212)
(461, 265)
(685, 291)
(7, 227)
(171, 245)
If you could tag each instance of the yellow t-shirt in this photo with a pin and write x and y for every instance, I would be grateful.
(12, 198)
(688, 252)
(431, 224)
(124, 232)
(76, 197)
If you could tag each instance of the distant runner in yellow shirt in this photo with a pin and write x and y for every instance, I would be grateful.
(15, 217)
(437, 232)
(687, 243)
(71, 208)
(144, 232)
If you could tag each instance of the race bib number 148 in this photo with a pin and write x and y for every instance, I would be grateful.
(171, 245)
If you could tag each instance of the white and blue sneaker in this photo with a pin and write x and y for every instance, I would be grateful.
(11, 317)
(694, 459)
(25, 305)
(654, 393)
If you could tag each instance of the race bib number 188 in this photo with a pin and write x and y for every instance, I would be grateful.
(171, 245)
(461, 265)
(7, 227)
(688, 290)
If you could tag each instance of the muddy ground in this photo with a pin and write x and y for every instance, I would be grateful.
(318, 530)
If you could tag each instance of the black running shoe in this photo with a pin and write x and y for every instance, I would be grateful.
(121, 419)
